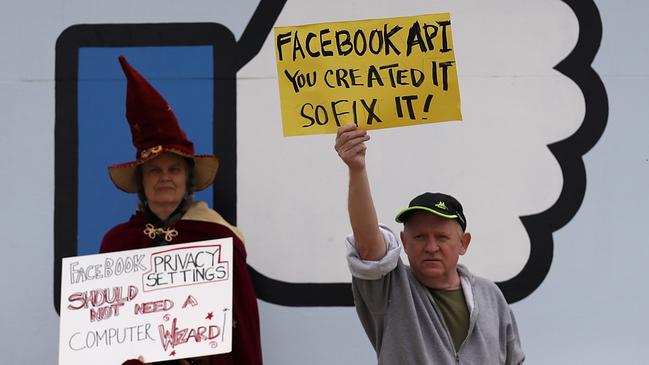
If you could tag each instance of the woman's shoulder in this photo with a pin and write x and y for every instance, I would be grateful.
(200, 212)
(120, 236)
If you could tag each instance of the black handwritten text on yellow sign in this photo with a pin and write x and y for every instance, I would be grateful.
(378, 73)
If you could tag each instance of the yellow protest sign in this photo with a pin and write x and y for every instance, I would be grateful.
(378, 73)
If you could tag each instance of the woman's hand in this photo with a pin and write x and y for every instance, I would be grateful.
(196, 361)
(138, 361)
(204, 360)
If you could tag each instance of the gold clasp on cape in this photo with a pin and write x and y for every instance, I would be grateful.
(152, 232)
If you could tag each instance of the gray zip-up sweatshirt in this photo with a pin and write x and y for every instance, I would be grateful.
(405, 326)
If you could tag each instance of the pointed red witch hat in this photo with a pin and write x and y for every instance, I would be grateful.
(155, 130)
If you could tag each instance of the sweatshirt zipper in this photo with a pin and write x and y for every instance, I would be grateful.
(468, 333)
(448, 333)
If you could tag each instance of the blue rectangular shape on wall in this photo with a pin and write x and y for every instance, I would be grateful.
(193, 65)
(182, 75)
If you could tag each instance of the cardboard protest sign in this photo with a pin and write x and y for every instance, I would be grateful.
(162, 303)
(378, 73)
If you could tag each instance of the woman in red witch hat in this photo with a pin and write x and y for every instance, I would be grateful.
(165, 175)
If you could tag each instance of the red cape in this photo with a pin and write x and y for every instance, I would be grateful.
(246, 343)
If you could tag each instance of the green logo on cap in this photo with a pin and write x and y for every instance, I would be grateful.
(441, 205)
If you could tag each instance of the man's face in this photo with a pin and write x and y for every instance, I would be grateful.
(433, 245)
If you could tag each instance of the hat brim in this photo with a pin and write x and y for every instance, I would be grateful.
(205, 168)
(402, 214)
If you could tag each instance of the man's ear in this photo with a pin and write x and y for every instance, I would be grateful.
(466, 239)
(403, 241)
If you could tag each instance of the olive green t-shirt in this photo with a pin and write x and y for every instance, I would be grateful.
(455, 312)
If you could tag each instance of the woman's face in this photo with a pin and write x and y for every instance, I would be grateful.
(165, 180)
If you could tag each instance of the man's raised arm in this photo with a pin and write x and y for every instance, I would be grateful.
(350, 145)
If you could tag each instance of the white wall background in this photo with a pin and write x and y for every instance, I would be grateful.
(588, 310)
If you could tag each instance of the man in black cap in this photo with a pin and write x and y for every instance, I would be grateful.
(433, 311)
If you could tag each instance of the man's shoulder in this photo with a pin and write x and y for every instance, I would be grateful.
(481, 284)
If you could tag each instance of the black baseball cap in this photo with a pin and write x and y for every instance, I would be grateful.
(440, 204)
